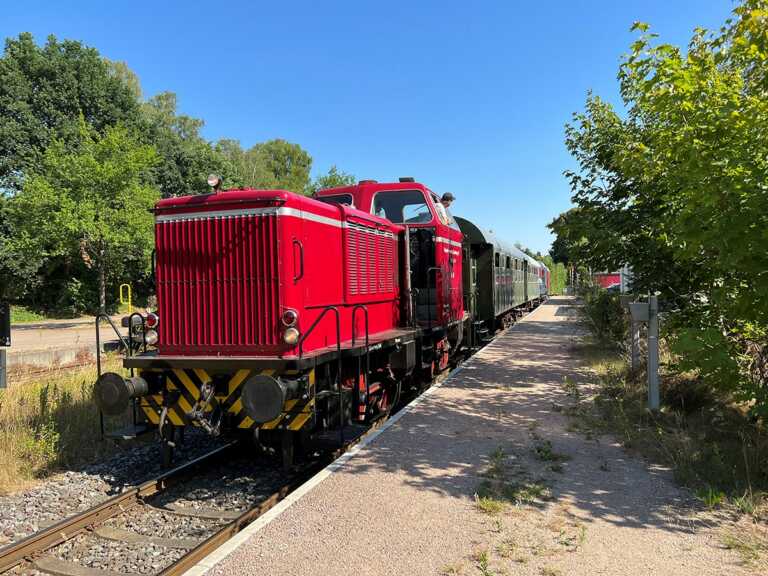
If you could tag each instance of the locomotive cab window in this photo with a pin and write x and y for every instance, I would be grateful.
(338, 199)
(402, 206)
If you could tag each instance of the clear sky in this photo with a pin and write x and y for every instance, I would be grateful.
(468, 97)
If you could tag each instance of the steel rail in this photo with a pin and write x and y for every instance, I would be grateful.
(202, 550)
(15, 553)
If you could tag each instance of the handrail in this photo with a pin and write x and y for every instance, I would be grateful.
(338, 358)
(364, 308)
(126, 346)
(438, 270)
(143, 330)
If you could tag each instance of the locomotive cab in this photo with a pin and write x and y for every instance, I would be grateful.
(434, 257)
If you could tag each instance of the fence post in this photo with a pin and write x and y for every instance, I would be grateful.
(5, 340)
(653, 353)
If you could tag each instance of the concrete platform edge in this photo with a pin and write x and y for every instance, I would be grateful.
(234, 543)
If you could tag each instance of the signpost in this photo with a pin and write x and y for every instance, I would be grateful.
(647, 312)
(5, 340)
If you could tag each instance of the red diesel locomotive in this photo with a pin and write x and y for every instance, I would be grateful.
(294, 317)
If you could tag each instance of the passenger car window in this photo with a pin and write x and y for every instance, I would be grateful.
(402, 206)
(496, 263)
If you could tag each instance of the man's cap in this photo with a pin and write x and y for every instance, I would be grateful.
(448, 197)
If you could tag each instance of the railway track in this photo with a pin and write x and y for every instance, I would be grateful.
(130, 519)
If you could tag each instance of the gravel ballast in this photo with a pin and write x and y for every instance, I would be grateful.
(68, 493)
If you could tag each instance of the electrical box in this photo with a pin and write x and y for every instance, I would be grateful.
(639, 311)
(5, 324)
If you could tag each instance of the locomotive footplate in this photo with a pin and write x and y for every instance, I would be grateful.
(152, 361)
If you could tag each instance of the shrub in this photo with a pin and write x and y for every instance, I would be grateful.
(605, 317)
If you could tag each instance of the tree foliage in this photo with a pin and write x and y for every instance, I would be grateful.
(185, 157)
(334, 178)
(88, 209)
(43, 90)
(678, 188)
(274, 164)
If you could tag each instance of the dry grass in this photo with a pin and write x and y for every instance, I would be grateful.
(751, 543)
(48, 424)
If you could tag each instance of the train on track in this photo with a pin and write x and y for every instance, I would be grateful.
(295, 319)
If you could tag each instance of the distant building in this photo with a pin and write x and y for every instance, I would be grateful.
(619, 280)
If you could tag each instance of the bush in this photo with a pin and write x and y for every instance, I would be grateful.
(605, 317)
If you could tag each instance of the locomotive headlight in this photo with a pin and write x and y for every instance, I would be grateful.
(289, 317)
(291, 336)
(152, 320)
(151, 337)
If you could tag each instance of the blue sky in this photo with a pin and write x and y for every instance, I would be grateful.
(467, 97)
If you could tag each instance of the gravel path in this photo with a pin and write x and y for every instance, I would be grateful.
(406, 503)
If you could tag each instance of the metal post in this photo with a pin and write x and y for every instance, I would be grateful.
(653, 353)
(3, 368)
(634, 337)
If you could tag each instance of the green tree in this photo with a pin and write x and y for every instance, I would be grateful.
(676, 188)
(89, 204)
(275, 164)
(289, 164)
(43, 92)
(334, 178)
(185, 158)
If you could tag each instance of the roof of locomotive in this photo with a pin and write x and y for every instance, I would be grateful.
(248, 197)
(364, 190)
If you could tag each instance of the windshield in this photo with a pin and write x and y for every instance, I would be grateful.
(402, 206)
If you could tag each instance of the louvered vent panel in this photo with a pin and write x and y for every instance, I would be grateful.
(217, 282)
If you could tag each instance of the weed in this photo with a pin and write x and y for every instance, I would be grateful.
(550, 571)
(572, 389)
(709, 441)
(710, 497)
(452, 569)
(751, 543)
(506, 548)
(556, 467)
(544, 451)
(749, 503)
(604, 466)
(488, 504)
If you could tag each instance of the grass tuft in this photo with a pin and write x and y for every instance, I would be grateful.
(49, 424)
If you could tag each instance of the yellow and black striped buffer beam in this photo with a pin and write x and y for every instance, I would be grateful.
(183, 392)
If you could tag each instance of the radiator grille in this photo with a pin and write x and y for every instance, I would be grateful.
(370, 260)
(217, 283)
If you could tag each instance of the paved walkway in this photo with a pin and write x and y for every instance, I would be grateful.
(405, 504)
(56, 342)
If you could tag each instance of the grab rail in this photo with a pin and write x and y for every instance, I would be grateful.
(364, 308)
(338, 358)
(126, 346)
